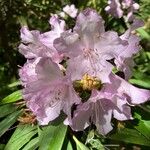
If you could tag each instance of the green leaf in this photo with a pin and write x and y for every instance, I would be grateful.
(32, 145)
(80, 146)
(8, 122)
(141, 79)
(143, 127)
(58, 138)
(15, 96)
(52, 137)
(69, 146)
(143, 33)
(14, 84)
(6, 110)
(39, 130)
(96, 144)
(45, 137)
(93, 142)
(130, 136)
(142, 83)
(21, 136)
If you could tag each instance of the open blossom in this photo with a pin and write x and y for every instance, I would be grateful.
(120, 8)
(71, 10)
(89, 46)
(47, 91)
(34, 44)
(31, 47)
(114, 8)
(124, 61)
(113, 100)
(57, 27)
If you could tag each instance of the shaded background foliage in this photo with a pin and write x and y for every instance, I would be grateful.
(36, 13)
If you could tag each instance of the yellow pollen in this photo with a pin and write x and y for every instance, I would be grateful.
(88, 82)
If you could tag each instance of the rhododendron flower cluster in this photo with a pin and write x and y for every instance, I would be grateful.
(62, 64)
(122, 8)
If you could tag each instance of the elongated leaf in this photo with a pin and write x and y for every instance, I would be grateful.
(21, 136)
(143, 33)
(14, 84)
(143, 126)
(143, 83)
(39, 131)
(58, 138)
(53, 137)
(140, 79)
(45, 137)
(32, 145)
(130, 136)
(6, 110)
(17, 95)
(80, 146)
(8, 122)
(69, 146)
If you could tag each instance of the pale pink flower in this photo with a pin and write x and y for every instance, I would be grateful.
(114, 8)
(113, 100)
(89, 46)
(34, 44)
(122, 8)
(71, 10)
(124, 61)
(47, 92)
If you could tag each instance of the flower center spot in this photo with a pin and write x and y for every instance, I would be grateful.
(88, 83)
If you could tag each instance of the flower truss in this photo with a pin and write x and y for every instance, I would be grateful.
(63, 64)
(120, 8)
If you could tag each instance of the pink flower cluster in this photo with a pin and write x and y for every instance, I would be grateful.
(122, 8)
(62, 64)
